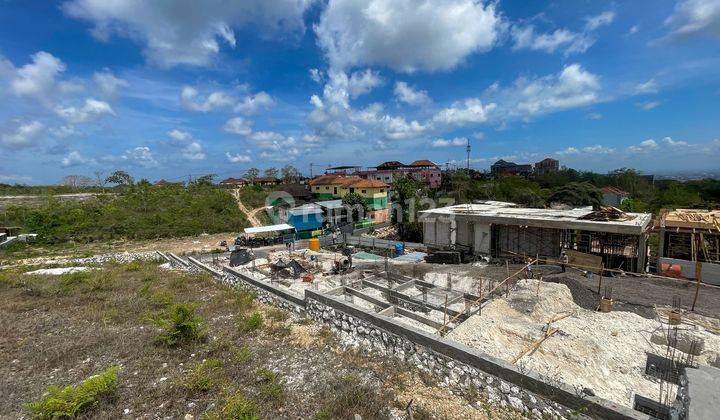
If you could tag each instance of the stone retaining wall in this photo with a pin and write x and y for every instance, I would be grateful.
(462, 369)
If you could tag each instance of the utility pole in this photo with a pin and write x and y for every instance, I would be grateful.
(467, 149)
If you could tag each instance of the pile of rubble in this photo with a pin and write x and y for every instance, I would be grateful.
(540, 328)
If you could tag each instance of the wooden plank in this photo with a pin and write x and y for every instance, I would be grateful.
(592, 262)
(375, 301)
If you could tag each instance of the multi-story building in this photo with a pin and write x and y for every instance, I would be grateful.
(547, 166)
(335, 186)
(424, 171)
(502, 167)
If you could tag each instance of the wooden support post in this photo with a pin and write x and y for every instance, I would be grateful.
(507, 268)
(445, 313)
(698, 275)
(601, 277)
(448, 284)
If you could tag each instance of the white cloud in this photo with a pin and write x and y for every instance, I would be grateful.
(23, 136)
(409, 95)
(71, 86)
(572, 87)
(37, 79)
(179, 135)
(457, 141)
(525, 37)
(570, 42)
(108, 83)
(695, 16)
(141, 156)
(316, 75)
(674, 143)
(15, 179)
(634, 29)
(647, 106)
(193, 151)
(238, 125)
(362, 82)
(187, 32)
(594, 22)
(90, 110)
(469, 111)
(191, 100)
(397, 128)
(595, 116)
(479, 135)
(74, 158)
(406, 35)
(587, 150)
(237, 158)
(252, 103)
(647, 87)
(63, 131)
(644, 146)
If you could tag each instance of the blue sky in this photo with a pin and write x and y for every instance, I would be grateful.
(166, 89)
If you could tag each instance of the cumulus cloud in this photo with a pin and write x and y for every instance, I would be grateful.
(587, 150)
(252, 103)
(38, 78)
(191, 100)
(237, 158)
(187, 32)
(92, 109)
(179, 135)
(63, 131)
(24, 135)
(362, 82)
(469, 111)
(108, 83)
(572, 87)
(644, 146)
(193, 151)
(74, 158)
(140, 156)
(238, 125)
(316, 75)
(409, 95)
(457, 141)
(692, 17)
(406, 35)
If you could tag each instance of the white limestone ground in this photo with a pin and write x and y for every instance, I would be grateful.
(605, 352)
(58, 271)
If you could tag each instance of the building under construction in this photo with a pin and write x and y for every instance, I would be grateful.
(505, 230)
(689, 245)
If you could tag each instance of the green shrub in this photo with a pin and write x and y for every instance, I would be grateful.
(69, 280)
(180, 324)
(244, 299)
(250, 323)
(270, 387)
(205, 376)
(235, 407)
(71, 400)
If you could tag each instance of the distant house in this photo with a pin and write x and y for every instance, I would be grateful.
(613, 196)
(234, 182)
(300, 193)
(502, 167)
(424, 171)
(547, 166)
(266, 180)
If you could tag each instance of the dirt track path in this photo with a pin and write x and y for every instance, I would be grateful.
(251, 215)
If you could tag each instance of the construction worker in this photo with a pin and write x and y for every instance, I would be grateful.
(563, 260)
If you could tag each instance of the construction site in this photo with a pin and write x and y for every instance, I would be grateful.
(594, 323)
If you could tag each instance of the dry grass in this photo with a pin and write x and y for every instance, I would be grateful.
(61, 330)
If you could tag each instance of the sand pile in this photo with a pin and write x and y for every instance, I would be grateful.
(605, 352)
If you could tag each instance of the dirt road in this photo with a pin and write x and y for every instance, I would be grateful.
(250, 214)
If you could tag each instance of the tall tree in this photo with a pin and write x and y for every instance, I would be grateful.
(577, 194)
(252, 174)
(289, 173)
(119, 178)
(357, 204)
(271, 172)
(76, 181)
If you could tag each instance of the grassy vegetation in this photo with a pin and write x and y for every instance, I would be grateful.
(142, 211)
(73, 399)
(180, 325)
(253, 196)
(63, 329)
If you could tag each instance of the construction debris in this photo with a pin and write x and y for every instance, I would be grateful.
(603, 352)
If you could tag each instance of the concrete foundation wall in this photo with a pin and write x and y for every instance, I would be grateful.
(463, 368)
